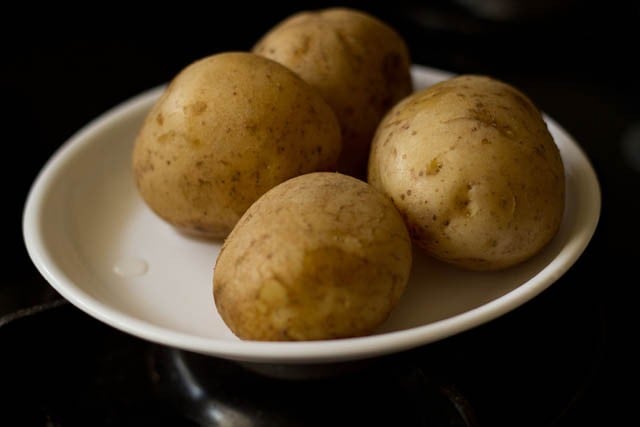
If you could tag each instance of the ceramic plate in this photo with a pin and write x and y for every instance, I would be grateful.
(92, 237)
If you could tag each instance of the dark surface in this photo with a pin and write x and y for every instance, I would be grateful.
(60, 367)
(567, 358)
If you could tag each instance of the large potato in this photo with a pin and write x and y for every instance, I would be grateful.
(320, 256)
(227, 129)
(358, 64)
(473, 169)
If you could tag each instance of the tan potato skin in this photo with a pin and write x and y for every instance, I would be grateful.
(474, 171)
(321, 256)
(357, 63)
(228, 128)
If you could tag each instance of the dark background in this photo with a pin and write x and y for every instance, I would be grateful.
(577, 60)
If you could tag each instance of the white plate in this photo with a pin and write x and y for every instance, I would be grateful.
(90, 235)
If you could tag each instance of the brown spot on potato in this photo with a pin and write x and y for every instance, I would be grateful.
(540, 150)
(433, 167)
(167, 136)
(195, 108)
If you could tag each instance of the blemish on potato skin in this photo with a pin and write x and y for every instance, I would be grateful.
(386, 141)
(391, 124)
(303, 47)
(540, 150)
(195, 108)
(433, 167)
(167, 136)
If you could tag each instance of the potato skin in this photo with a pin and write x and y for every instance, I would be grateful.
(359, 65)
(227, 129)
(474, 171)
(321, 256)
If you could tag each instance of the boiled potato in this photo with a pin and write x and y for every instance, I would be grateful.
(321, 256)
(358, 64)
(227, 129)
(473, 169)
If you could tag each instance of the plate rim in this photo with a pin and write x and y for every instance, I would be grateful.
(284, 352)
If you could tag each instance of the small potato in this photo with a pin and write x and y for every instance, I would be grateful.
(358, 64)
(227, 129)
(320, 256)
(474, 171)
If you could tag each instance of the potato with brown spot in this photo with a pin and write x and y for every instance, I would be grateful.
(228, 128)
(358, 63)
(321, 256)
(474, 171)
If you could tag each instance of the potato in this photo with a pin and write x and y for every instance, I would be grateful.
(227, 129)
(358, 64)
(321, 256)
(473, 169)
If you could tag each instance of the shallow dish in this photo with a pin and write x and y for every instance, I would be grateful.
(92, 237)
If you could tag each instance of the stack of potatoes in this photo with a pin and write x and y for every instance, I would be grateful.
(271, 149)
